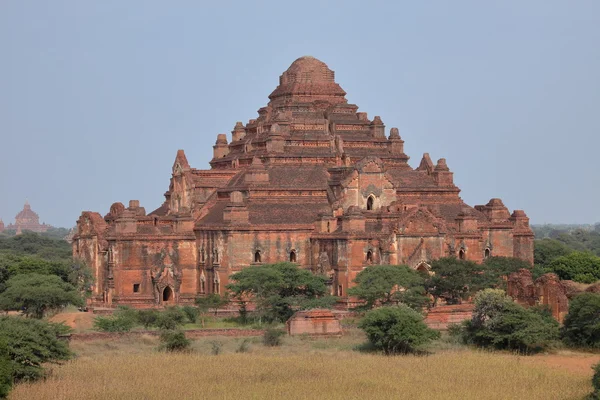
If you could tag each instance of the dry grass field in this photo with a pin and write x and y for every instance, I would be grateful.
(302, 369)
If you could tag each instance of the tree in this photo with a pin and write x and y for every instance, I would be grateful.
(212, 301)
(173, 340)
(389, 284)
(278, 289)
(500, 323)
(148, 317)
(171, 318)
(581, 326)
(455, 279)
(496, 269)
(397, 329)
(6, 370)
(546, 250)
(36, 294)
(30, 344)
(577, 266)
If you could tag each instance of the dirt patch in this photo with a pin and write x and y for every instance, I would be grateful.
(78, 321)
(576, 362)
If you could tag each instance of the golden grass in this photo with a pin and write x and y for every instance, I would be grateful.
(279, 374)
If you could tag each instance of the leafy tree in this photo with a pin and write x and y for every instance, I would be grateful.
(36, 294)
(577, 266)
(500, 323)
(171, 318)
(496, 269)
(6, 370)
(277, 289)
(213, 301)
(33, 244)
(398, 329)
(455, 280)
(581, 326)
(191, 313)
(30, 344)
(147, 317)
(173, 340)
(389, 284)
(546, 250)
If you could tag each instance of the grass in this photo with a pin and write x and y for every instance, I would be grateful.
(279, 374)
(131, 368)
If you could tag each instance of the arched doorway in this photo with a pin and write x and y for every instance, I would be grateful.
(370, 202)
(167, 294)
(293, 256)
(461, 254)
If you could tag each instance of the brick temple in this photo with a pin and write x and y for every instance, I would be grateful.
(311, 181)
(25, 220)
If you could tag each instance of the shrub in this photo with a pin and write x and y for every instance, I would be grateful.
(113, 323)
(30, 344)
(191, 313)
(596, 382)
(174, 340)
(216, 347)
(147, 318)
(171, 318)
(500, 323)
(396, 329)
(582, 323)
(244, 346)
(6, 371)
(273, 337)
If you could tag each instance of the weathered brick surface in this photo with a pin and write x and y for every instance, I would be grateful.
(315, 322)
(441, 316)
(547, 290)
(311, 181)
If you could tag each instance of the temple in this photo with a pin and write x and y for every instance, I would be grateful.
(311, 181)
(25, 220)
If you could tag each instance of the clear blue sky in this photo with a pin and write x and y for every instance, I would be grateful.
(97, 96)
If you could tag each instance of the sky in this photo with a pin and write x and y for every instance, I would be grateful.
(96, 97)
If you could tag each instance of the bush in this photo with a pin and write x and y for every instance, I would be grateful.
(396, 329)
(191, 313)
(174, 340)
(244, 346)
(30, 344)
(273, 337)
(6, 371)
(500, 323)
(171, 318)
(582, 323)
(216, 347)
(147, 318)
(596, 382)
(113, 323)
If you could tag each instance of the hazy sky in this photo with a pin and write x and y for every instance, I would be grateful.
(97, 96)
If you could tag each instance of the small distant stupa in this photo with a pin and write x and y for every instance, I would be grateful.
(26, 220)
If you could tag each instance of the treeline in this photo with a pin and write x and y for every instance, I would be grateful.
(573, 255)
(51, 233)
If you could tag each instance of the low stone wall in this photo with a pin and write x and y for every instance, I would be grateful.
(441, 316)
(190, 334)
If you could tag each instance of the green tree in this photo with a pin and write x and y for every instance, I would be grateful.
(212, 301)
(147, 317)
(6, 370)
(173, 340)
(496, 269)
(397, 329)
(30, 344)
(581, 326)
(191, 313)
(500, 323)
(389, 284)
(171, 318)
(455, 280)
(278, 289)
(546, 250)
(577, 266)
(37, 294)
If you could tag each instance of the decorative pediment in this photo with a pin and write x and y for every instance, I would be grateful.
(370, 165)
(420, 221)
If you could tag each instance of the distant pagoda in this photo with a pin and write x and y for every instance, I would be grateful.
(26, 220)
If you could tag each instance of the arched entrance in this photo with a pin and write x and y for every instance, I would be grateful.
(167, 294)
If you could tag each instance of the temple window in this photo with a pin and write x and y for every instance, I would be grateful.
(370, 202)
(340, 290)
(257, 257)
(136, 288)
(369, 256)
(216, 285)
(202, 286)
(328, 227)
(461, 254)
(486, 253)
(293, 256)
